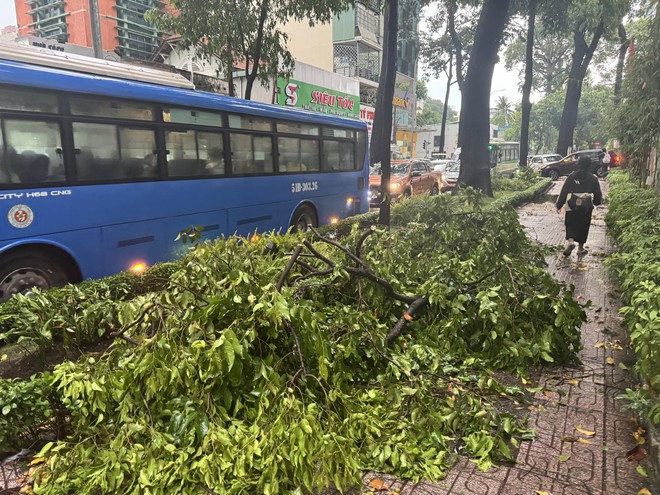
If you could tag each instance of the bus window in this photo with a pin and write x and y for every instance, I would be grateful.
(11, 99)
(249, 122)
(294, 128)
(135, 149)
(251, 154)
(188, 116)
(106, 152)
(210, 150)
(339, 155)
(34, 151)
(298, 155)
(338, 133)
(181, 152)
(113, 109)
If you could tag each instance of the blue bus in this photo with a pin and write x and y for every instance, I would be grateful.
(103, 165)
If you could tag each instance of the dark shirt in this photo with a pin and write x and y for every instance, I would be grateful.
(581, 181)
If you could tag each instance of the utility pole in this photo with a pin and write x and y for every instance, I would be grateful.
(96, 28)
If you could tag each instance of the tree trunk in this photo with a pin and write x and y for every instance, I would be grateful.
(474, 131)
(526, 105)
(256, 59)
(230, 69)
(623, 48)
(380, 136)
(581, 58)
(458, 46)
(446, 105)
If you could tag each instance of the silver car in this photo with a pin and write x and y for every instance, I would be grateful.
(441, 165)
(537, 161)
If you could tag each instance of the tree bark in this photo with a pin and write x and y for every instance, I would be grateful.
(526, 105)
(581, 58)
(623, 48)
(380, 137)
(446, 104)
(458, 46)
(474, 131)
(256, 59)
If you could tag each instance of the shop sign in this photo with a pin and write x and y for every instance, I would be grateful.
(317, 99)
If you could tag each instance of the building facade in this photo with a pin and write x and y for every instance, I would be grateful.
(123, 27)
(358, 36)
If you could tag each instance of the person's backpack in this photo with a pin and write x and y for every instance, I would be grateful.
(606, 158)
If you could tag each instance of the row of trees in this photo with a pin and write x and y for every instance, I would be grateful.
(465, 45)
(553, 43)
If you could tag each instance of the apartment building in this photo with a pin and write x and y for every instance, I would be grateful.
(123, 27)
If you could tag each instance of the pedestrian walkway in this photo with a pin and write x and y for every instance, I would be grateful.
(583, 397)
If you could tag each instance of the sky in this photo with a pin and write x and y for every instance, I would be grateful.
(7, 13)
(505, 83)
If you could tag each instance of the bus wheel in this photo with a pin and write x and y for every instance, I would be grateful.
(22, 272)
(304, 218)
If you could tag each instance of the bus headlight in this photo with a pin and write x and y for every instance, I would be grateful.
(395, 187)
(334, 220)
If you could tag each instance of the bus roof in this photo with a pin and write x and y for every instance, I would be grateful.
(35, 74)
(43, 56)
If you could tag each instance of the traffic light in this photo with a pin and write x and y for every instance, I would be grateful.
(490, 147)
(424, 144)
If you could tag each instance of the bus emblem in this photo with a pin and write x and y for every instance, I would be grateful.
(20, 216)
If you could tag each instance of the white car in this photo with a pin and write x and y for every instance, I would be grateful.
(537, 161)
(450, 176)
(441, 165)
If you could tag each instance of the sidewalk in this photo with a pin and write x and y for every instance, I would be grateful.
(583, 397)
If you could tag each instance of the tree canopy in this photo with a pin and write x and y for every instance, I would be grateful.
(243, 34)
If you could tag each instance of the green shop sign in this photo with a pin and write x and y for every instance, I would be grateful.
(317, 99)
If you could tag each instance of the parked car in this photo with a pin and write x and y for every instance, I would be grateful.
(441, 165)
(450, 177)
(535, 162)
(408, 177)
(567, 165)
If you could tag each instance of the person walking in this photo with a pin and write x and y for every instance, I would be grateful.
(580, 193)
(605, 158)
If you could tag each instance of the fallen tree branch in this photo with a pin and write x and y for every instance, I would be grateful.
(121, 335)
(407, 316)
(344, 249)
(289, 265)
(490, 273)
(360, 242)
